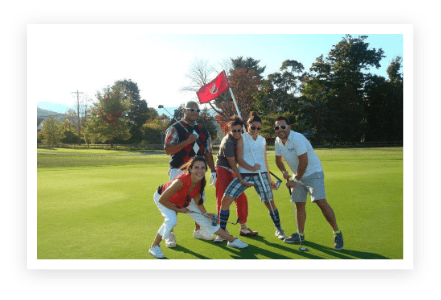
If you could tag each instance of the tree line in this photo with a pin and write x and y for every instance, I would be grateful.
(336, 101)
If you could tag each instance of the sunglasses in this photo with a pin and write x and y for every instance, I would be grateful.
(193, 109)
(278, 127)
(238, 130)
(254, 128)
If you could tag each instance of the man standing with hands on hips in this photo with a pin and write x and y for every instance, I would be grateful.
(307, 169)
(184, 140)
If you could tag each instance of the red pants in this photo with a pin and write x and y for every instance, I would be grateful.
(224, 177)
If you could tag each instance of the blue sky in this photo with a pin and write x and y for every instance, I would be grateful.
(66, 58)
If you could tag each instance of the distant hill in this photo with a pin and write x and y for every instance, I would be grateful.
(55, 107)
(43, 114)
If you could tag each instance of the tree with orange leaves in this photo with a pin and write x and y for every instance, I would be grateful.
(109, 116)
(244, 84)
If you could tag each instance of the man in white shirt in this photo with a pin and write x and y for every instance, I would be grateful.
(307, 172)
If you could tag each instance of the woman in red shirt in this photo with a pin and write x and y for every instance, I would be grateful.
(184, 195)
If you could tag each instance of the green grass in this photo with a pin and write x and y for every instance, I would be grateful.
(101, 207)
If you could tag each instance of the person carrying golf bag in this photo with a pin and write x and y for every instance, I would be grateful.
(251, 150)
(184, 195)
(308, 177)
(184, 140)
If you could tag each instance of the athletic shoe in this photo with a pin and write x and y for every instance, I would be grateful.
(280, 234)
(237, 244)
(201, 235)
(338, 241)
(295, 238)
(219, 239)
(170, 242)
(247, 232)
(156, 252)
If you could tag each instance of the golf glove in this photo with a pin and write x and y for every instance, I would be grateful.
(213, 178)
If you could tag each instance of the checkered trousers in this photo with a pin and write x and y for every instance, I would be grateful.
(236, 188)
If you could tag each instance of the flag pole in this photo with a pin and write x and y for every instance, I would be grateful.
(235, 104)
(238, 112)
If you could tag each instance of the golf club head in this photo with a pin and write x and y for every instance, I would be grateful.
(160, 106)
(303, 249)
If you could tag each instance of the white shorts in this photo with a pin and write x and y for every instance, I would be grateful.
(170, 218)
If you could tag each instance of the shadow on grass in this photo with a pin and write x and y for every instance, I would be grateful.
(185, 250)
(344, 253)
(278, 244)
(252, 251)
(314, 251)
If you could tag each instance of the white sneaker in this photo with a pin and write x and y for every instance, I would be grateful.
(201, 235)
(156, 252)
(171, 241)
(237, 244)
(280, 234)
(219, 239)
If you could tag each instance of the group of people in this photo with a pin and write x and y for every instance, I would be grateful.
(241, 163)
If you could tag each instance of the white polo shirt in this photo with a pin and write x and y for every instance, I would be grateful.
(296, 145)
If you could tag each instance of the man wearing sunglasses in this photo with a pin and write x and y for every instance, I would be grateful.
(184, 140)
(307, 169)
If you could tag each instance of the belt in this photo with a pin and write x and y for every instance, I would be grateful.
(249, 174)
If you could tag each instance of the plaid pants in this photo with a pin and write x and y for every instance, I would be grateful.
(236, 188)
(224, 178)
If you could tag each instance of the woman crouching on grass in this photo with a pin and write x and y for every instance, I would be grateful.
(184, 195)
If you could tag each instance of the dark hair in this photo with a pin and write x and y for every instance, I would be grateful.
(186, 168)
(282, 118)
(254, 117)
(235, 120)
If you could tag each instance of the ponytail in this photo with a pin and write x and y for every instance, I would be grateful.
(201, 191)
(253, 117)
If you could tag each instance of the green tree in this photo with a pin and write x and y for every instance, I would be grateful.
(109, 116)
(394, 70)
(384, 105)
(209, 122)
(336, 84)
(139, 111)
(250, 64)
(52, 130)
(154, 129)
(280, 91)
(70, 132)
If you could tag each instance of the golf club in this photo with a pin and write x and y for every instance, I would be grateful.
(171, 116)
(297, 224)
(214, 219)
(279, 181)
(309, 188)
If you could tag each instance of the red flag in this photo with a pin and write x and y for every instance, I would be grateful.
(213, 89)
